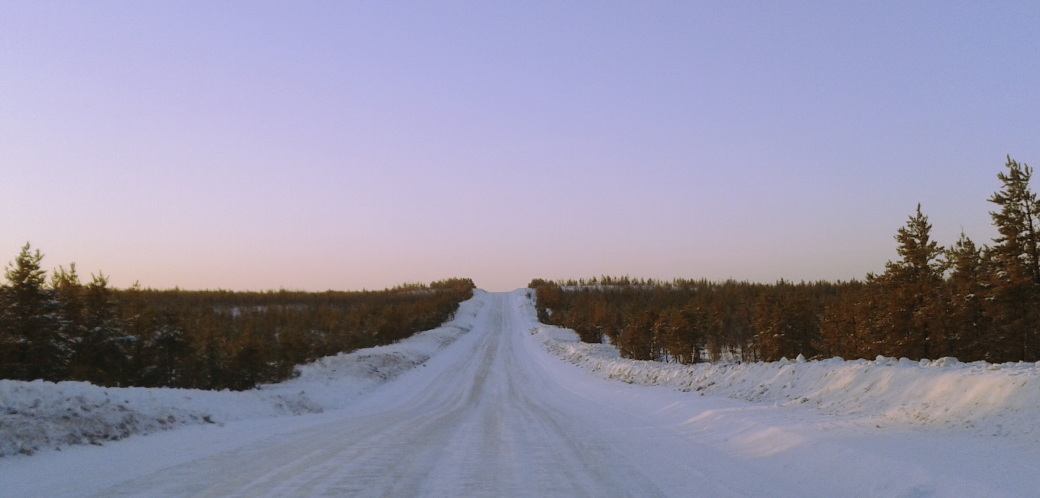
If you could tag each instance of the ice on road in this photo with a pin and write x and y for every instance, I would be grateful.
(494, 414)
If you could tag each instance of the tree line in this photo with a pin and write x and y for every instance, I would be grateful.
(63, 329)
(965, 301)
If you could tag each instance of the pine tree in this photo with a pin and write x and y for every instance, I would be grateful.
(969, 324)
(686, 331)
(70, 295)
(1015, 273)
(844, 323)
(579, 320)
(786, 323)
(911, 324)
(1019, 242)
(165, 353)
(605, 322)
(33, 345)
(638, 341)
(104, 355)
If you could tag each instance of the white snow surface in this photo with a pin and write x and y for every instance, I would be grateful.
(41, 415)
(980, 397)
(516, 408)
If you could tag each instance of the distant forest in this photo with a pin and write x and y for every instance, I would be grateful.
(62, 329)
(964, 301)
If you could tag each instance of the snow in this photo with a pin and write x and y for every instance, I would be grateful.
(44, 415)
(516, 408)
(979, 397)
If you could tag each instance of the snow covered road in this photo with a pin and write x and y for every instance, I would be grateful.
(494, 414)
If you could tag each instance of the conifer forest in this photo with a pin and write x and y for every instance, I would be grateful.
(965, 301)
(62, 329)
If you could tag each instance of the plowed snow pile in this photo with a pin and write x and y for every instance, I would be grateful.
(987, 399)
(38, 414)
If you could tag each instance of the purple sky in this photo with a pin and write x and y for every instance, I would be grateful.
(348, 145)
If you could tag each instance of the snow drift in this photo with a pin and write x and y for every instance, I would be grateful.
(984, 398)
(38, 414)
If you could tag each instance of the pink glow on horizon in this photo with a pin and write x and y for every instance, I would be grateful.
(277, 145)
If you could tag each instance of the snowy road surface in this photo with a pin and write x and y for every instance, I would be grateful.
(494, 414)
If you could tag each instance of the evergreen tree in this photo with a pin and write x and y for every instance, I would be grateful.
(33, 344)
(1015, 271)
(166, 351)
(578, 320)
(104, 355)
(844, 323)
(1019, 242)
(70, 295)
(638, 341)
(605, 321)
(913, 311)
(681, 334)
(786, 322)
(969, 324)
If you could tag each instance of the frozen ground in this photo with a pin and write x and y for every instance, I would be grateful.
(40, 416)
(978, 398)
(497, 413)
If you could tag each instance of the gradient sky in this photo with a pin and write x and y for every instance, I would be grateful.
(348, 145)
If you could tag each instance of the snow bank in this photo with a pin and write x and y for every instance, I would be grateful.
(987, 399)
(38, 414)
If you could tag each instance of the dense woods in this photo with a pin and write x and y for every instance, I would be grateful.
(965, 301)
(63, 329)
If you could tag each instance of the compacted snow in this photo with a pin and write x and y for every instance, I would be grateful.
(42, 415)
(516, 408)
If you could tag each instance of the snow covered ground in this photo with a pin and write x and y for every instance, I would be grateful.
(979, 398)
(497, 413)
(40, 415)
